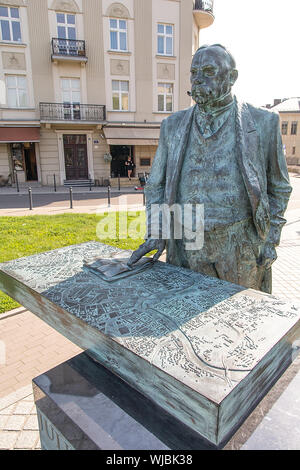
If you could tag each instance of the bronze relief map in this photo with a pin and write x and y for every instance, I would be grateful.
(189, 325)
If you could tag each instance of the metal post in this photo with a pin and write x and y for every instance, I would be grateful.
(144, 198)
(108, 195)
(119, 181)
(17, 181)
(90, 185)
(54, 178)
(71, 197)
(30, 199)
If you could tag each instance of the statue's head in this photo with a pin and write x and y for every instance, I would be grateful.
(213, 73)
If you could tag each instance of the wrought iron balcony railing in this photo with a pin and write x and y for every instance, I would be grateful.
(72, 112)
(205, 5)
(68, 48)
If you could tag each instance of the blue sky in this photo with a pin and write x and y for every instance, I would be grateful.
(263, 36)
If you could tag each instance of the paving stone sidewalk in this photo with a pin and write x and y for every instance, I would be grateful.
(32, 348)
(18, 421)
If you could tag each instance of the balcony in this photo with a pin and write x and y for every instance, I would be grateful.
(203, 13)
(58, 112)
(68, 49)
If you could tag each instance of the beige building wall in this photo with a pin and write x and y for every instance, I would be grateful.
(119, 65)
(40, 49)
(94, 36)
(65, 69)
(291, 142)
(144, 151)
(52, 153)
(141, 65)
(15, 59)
(49, 160)
(187, 47)
(166, 68)
(69, 70)
(101, 168)
(4, 164)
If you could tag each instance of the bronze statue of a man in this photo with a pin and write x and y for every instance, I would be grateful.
(227, 156)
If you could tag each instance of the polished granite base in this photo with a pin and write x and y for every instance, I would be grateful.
(83, 406)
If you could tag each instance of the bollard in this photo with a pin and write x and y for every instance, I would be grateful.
(54, 179)
(30, 199)
(90, 185)
(119, 181)
(71, 197)
(108, 195)
(17, 181)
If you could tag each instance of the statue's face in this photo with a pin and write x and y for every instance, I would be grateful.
(211, 75)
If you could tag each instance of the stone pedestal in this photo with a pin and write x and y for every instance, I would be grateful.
(83, 406)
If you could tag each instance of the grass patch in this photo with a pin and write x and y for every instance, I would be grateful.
(25, 236)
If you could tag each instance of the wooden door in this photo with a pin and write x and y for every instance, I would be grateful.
(75, 148)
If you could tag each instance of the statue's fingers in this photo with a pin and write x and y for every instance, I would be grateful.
(138, 254)
(158, 254)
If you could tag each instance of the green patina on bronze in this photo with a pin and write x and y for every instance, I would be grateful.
(204, 350)
(228, 156)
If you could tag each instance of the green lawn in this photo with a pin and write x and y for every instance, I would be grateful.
(25, 236)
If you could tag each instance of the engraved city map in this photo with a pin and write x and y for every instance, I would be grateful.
(189, 325)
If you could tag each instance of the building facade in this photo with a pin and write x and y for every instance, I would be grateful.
(84, 84)
(289, 111)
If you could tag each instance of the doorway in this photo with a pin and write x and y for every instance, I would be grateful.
(76, 159)
(24, 161)
(30, 162)
(120, 154)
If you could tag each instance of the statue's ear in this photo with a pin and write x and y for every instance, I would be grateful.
(233, 76)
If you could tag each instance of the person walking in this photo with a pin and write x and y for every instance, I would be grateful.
(130, 167)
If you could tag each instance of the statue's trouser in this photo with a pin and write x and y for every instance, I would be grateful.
(229, 253)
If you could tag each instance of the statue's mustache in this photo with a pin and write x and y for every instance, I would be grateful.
(201, 91)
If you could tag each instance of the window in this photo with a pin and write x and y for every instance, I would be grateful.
(294, 128)
(70, 90)
(165, 39)
(71, 97)
(66, 26)
(284, 128)
(165, 97)
(120, 95)
(118, 35)
(294, 151)
(10, 24)
(16, 86)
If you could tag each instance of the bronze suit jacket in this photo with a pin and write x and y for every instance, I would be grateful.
(261, 161)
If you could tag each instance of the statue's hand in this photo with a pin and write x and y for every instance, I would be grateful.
(267, 256)
(149, 245)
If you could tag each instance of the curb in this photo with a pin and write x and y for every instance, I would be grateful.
(76, 210)
(125, 189)
(12, 313)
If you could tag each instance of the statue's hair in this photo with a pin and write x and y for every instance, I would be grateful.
(231, 58)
